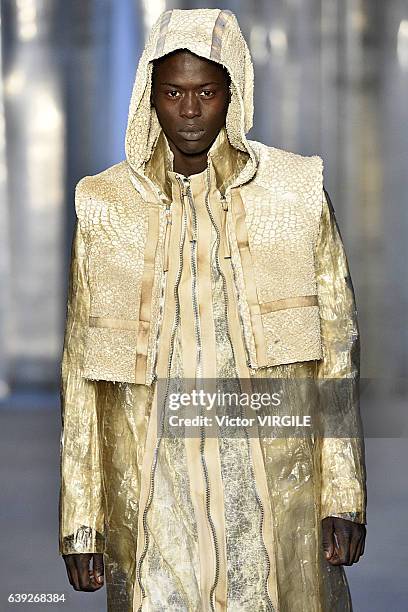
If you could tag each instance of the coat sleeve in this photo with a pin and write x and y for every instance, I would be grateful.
(81, 516)
(342, 450)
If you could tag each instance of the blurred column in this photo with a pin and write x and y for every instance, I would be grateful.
(4, 250)
(352, 146)
(394, 102)
(34, 130)
(284, 39)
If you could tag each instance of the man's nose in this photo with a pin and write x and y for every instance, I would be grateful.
(190, 106)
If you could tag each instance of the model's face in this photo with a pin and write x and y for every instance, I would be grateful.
(191, 97)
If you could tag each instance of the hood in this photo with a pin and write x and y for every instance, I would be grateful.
(210, 33)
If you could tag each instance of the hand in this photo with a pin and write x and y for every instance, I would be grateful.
(343, 540)
(80, 575)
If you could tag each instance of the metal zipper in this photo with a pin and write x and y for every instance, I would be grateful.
(270, 606)
(202, 434)
(240, 317)
(224, 229)
(187, 192)
(167, 238)
(160, 435)
(252, 368)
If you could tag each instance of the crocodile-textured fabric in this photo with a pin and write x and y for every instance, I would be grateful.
(235, 275)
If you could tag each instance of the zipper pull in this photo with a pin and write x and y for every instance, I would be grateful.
(224, 232)
(167, 239)
(185, 181)
(188, 197)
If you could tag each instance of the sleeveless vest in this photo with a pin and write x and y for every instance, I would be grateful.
(271, 229)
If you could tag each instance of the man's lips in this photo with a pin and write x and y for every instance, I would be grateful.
(191, 133)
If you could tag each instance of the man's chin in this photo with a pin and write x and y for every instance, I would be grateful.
(192, 147)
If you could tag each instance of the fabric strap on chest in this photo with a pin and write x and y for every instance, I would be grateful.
(238, 211)
(145, 309)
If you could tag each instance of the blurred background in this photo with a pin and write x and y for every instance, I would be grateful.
(331, 78)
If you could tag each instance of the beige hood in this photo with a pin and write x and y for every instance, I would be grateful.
(210, 33)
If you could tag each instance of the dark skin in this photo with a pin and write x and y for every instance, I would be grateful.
(189, 93)
(82, 574)
(192, 91)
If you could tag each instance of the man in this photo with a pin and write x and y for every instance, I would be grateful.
(205, 255)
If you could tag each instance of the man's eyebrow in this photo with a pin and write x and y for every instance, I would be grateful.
(200, 85)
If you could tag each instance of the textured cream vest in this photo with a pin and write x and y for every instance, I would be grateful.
(272, 226)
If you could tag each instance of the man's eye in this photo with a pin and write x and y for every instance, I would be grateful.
(173, 93)
(207, 93)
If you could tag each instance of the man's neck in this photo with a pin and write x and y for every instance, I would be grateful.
(188, 164)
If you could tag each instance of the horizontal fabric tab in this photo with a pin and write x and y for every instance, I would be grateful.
(113, 323)
(292, 302)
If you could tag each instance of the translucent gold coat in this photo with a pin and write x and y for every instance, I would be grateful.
(108, 436)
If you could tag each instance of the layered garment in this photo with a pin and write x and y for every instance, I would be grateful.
(234, 274)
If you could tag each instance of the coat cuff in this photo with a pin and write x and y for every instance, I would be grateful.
(355, 517)
(84, 540)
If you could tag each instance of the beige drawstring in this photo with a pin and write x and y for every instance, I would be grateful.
(224, 229)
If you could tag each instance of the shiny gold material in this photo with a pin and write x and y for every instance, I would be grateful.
(237, 272)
